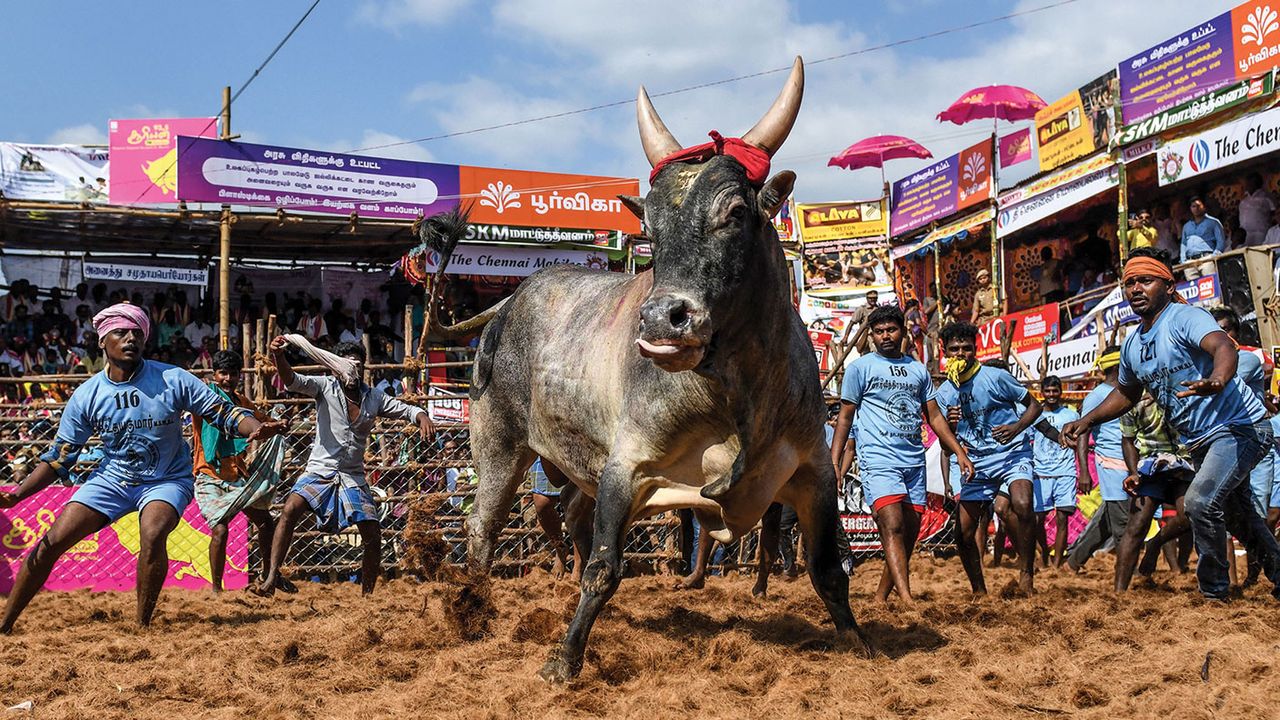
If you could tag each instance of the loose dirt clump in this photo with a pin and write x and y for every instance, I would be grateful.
(538, 625)
(426, 552)
(468, 608)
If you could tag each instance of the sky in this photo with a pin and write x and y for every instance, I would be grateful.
(366, 73)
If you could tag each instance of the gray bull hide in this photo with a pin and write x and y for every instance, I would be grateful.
(690, 386)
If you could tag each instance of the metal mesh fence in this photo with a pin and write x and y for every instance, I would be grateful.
(431, 480)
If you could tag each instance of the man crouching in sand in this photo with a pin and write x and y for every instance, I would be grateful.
(333, 485)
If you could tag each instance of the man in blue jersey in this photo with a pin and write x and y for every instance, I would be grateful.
(1055, 467)
(983, 404)
(135, 408)
(890, 392)
(1111, 518)
(1181, 355)
(1252, 373)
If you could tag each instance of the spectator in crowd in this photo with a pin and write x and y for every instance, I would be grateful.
(1202, 236)
(1142, 232)
(1050, 276)
(858, 320)
(98, 297)
(199, 329)
(986, 304)
(312, 325)
(53, 319)
(1273, 233)
(21, 325)
(334, 318)
(82, 323)
(181, 308)
(204, 357)
(349, 332)
(10, 359)
(1255, 209)
(90, 354)
(1168, 229)
(20, 293)
(167, 328)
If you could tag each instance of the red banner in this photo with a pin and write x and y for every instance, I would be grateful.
(1032, 325)
(821, 340)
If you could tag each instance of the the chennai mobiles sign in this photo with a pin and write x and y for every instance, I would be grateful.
(1248, 137)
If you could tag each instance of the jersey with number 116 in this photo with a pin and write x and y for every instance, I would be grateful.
(139, 422)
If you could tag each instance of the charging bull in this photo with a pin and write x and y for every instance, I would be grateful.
(693, 385)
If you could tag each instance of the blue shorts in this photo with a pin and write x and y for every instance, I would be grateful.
(1055, 492)
(116, 499)
(1262, 483)
(994, 475)
(337, 506)
(1275, 481)
(885, 486)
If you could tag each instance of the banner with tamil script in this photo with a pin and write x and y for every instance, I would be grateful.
(247, 174)
(1043, 198)
(1238, 44)
(537, 199)
(54, 173)
(1248, 137)
(1224, 98)
(955, 183)
(108, 559)
(146, 157)
(1076, 125)
(114, 272)
(1015, 148)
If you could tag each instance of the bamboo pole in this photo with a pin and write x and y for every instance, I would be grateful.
(224, 243)
(411, 375)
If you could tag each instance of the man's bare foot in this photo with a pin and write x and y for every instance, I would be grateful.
(557, 568)
(690, 582)
(262, 589)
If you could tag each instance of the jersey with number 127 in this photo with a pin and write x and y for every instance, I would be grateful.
(139, 422)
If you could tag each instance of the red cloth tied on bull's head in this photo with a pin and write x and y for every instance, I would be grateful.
(122, 315)
(755, 160)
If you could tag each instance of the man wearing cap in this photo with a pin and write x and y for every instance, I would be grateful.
(1189, 364)
(135, 407)
(986, 305)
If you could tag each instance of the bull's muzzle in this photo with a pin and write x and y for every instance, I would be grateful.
(674, 331)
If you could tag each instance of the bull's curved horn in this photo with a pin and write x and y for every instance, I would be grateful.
(657, 139)
(773, 128)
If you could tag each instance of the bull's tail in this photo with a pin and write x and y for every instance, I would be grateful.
(442, 233)
(489, 346)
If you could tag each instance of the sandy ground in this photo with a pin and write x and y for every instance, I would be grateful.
(1072, 649)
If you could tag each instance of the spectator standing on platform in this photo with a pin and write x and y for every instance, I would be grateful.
(1142, 232)
(1050, 277)
(986, 304)
(1202, 236)
(1255, 210)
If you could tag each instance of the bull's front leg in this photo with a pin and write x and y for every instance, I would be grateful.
(600, 577)
(812, 492)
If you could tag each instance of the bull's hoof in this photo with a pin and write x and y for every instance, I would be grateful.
(857, 641)
(557, 671)
(760, 589)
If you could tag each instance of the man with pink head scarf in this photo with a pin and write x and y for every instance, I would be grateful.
(135, 407)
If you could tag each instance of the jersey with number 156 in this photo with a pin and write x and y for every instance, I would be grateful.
(139, 422)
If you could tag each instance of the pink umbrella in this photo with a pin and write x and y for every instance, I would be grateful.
(873, 151)
(998, 102)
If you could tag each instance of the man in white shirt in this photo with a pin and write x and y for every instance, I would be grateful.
(198, 330)
(1273, 233)
(1255, 209)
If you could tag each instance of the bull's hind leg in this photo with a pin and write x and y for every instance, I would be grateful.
(812, 492)
(500, 468)
(601, 576)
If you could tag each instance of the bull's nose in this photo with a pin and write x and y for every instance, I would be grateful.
(666, 315)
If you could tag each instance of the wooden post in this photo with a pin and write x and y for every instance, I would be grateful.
(411, 376)
(224, 244)
(259, 351)
(268, 387)
(224, 279)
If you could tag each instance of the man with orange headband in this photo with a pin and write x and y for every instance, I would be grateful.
(135, 407)
(1189, 364)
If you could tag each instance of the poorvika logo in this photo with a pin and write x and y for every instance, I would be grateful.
(500, 196)
(1171, 166)
(973, 172)
(1258, 25)
(1198, 156)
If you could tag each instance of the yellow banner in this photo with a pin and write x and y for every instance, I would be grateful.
(821, 222)
(1062, 133)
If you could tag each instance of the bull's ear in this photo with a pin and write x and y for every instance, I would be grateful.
(776, 191)
(634, 204)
